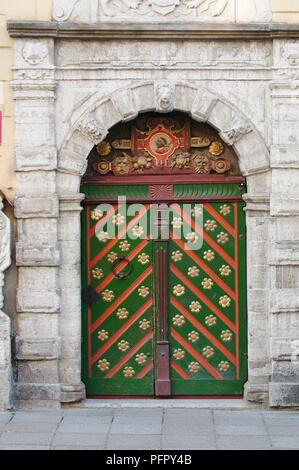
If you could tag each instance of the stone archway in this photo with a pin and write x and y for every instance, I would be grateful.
(89, 126)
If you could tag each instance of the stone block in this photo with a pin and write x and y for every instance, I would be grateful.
(285, 192)
(35, 158)
(144, 96)
(284, 300)
(69, 227)
(284, 324)
(222, 116)
(72, 393)
(70, 276)
(245, 147)
(38, 372)
(283, 395)
(35, 325)
(38, 301)
(36, 207)
(285, 156)
(286, 371)
(33, 183)
(42, 255)
(285, 349)
(107, 115)
(36, 278)
(68, 183)
(45, 228)
(258, 300)
(184, 97)
(38, 391)
(70, 252)
(256, 393)
(37, 349)
(285, 277)
(203, 105)
(123, 101)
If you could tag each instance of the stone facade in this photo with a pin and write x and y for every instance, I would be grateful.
(72, 83)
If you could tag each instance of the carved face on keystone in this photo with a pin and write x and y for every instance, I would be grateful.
(165, 96)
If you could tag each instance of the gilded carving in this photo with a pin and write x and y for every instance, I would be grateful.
(104, 148)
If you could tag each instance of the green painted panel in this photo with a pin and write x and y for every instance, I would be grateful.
(207, 190)
(113, 191)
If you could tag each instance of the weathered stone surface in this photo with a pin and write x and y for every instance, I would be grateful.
(33, 349)
(41, 255)
(284, 394)
(41, 207)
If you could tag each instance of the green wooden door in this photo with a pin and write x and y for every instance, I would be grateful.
(194, 278)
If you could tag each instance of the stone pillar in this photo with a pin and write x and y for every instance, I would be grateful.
(38, 347)
(284, 386)
(5, 324)
(258, 222)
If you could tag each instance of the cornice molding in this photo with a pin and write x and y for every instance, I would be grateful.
(160, 31)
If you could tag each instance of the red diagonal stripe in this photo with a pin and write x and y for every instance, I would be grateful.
(120, 234)
(121, 330)
(121, 298)
(130, 257)
(145, 370)
(202, 297)
(205, 236)
(203, 330)
(196, 355)
(206, 268)
(219, 219)
(179, 370)
(129, 354)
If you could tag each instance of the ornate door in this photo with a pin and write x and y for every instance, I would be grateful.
(163, 270)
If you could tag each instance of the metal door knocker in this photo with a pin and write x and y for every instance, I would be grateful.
(125, 274)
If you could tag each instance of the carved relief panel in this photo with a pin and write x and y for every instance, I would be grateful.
(162, 144)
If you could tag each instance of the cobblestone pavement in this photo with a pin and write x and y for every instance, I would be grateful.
(150, 429)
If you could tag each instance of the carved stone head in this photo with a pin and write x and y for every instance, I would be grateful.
(165, 94)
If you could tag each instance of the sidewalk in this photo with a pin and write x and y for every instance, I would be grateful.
(149, 429)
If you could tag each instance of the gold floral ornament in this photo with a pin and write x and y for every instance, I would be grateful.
(118, 219)
(192, 238)
(177, 222)
(140, 358)
(143, 258)
(97, 273)
(194, 367)
(103, 364)
(196, 211)
(179, 290)
(226, 335)
(225, 209)
(122, 313)
(195, 306)
(123, 345)
(102, 236)
(208, 351)
(128, 372)
(143, 291)
(210, 225)
(210, 320)
(144, 324)
(225, 270)
(104, 148)
(108, 295)
(222, 238)
(178, 354)
(178, 320)
(193, 271)
(209, 255)
(103, 335)
(124, 246)
(223, 366)
(193, 336)
(207, 283)
(111, 257)
(225, 301)
(216, 148)
(137, 231)
(177, 256)
(96, 214)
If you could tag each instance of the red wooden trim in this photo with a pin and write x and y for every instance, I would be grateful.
(121, 298)
(220, 219)
(179, 370)
(92, 201)
(237, 289)
(206, 268)
(122, 330)
(89, 283)
(128, 356)
(145, 370)
(196, 355)
(203, 330)
(173, 397)
(162, 179)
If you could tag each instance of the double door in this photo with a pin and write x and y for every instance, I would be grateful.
(163, 303)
